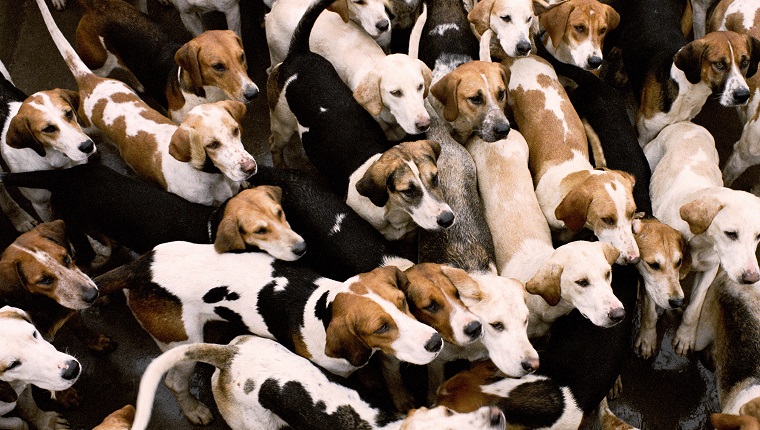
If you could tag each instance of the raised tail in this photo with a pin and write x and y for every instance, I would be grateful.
(215, 355)
(45, 179)
(300, 40)
(76, 65)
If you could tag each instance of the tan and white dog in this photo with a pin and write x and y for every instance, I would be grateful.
(720, 225)
(201, 160)
(27, 359)
(572, 195)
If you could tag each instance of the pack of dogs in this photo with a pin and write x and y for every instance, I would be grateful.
(492, 204)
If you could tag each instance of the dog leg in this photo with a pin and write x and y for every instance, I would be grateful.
(178, 382)
(686, 335)
(402, 399)
(647, 338)
(192, 22)
(21, 220)
(42, 420)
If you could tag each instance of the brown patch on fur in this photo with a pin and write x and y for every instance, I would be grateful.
(159, 312)
(463, 392)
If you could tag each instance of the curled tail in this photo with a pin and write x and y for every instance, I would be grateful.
(300, 40)
(76, 65)
(215, 355)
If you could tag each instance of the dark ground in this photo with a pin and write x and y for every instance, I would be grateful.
(668, 392)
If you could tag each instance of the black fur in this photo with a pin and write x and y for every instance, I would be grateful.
(459, 42)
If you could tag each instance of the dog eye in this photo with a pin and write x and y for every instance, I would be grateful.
(719, 65)
(498, 326)
(506, 18)
(397, 93)
(733, 235)
(582, 282)
(219, 67)
(383, 329)
(433, 307)
(476, 100)
(69, 114)
(45, 280)
(580, 28)
(13, 365)
(608, 220)
(213, 145)
(654, 265)
(50, 129)
(235, 131)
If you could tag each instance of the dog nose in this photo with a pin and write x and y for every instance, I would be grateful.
(616, 315)
(299, 248)
(522, 48)
(675, 303)
(741, 96)
(750, 277)
(249, 167)
(445, 219)
(251, 93)
(71, 371)
(594, 62)
(86, 146)
(473, 329)
(497, 417)
(434, 344)
(90, 294)
(422, 125)
(530, 365)
(382, 26)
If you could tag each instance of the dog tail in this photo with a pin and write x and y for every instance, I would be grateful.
(45, 179)
(300, 40)
(215, 355)
(76, 65)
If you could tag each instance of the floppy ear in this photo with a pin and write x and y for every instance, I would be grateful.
(754, 56)
(342, 342)
(187, 58)
(689, 60)
(54, 231)
(236, 109)
(611, 253)
(341, 8)
(613, 18)
(7, 393)
(734, 422)
(480, 16)
(228, 237)
(573, 209)
(427, 77)
(20, 135)
(699, 213)
(467, 287)
(374, 184)
(273, 191)
(554, 20)
(367, 93)
(445, 90)
(179, 146)
(547, 283)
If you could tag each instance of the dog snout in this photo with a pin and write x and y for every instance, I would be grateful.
(445, 219)
(422, 124)
(71, 370)
(86, 147)
(522, 48)
(299, 248)
(382, 25)
(616, 315)
(251, 92)
(473, 329)
(249, 167)
(675, 303)
(594, 62)
(530, 364)
(750, 277)
(434, 344)
(496, 417)
(741, 95)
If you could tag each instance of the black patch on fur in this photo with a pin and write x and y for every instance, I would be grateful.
(738, 336)
(216, 295)
(293, 404)
(324, 310)
(534, 404)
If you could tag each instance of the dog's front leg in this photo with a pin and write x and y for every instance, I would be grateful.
(686, 335)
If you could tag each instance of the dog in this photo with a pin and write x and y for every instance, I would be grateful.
(574, 31)
(279, 388)
(201, 160)
(736, 16)
(673, 79)
(38, 132)
(112, 34)
(29, 359)
(392, 88)
(719, 224)
(144, 216)
(337, 325)
(341, 243)
(572, 195)
(513, 22)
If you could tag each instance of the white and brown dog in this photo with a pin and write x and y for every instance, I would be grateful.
(202, 160)
(261, 385)
(27, 359)
(337, 325)
(720, 225)
(572, 195)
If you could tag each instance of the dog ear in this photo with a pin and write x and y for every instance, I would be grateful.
(547, 283)
(187, 58)
(445, 90)
(20, 135)
(427, 77)
(236, 109)
(179, 146)
(374, 184)
(342, 340)
(573, 209)
(734, 422)
(554, 20)
(341, 8)
(54, 231)
(367, 93)
(699, 213)
(273, 191)
(611, 253)
(689, 60)
(613, 18)
(228, 237)
(754, 57)
(7, 393)
(468, 288)
(480, 16)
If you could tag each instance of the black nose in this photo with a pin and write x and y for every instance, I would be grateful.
(300, 248)
(741, 96)
(434, 344)
(86, 146)
(473, 329)
(530, 365)
(675, 303)
(501, 129)
(523, 47)
(251, 93)
(71, 371)
(496, 417)
(382, 25)
(445, 219)
(617, 314)
(594, 62)
(89, 294)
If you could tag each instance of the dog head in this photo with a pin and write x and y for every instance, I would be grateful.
(371, 15)
(473, 97)
(443, 418)
(209, 139)
(39, 262)
(583, 272)
(118, 420)
(603, 202)
(399, 84)
(371, 314)
(576, 30)
(47, 121)
(512, 21)
(27, 357)
(254, 218)
(500, 304)
(721, 60)
(665, 259)
(215, 58)
(728, 220)
(406, 177)
(434, 300)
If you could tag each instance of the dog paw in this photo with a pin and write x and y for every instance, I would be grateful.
(59, 4)
(101, 344)
(200, 414)
(68, 398)
(684, 340)
(645, 343)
